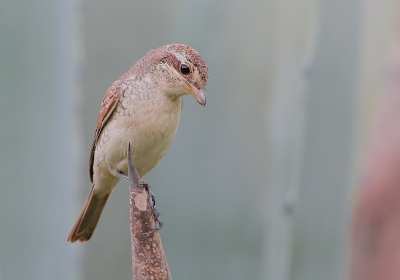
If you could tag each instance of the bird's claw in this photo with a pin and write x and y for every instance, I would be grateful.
(152, 200)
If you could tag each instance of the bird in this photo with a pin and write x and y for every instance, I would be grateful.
(141, 108)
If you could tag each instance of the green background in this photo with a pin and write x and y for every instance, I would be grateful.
(257, 185)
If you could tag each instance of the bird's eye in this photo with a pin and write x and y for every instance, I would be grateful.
(185, 69)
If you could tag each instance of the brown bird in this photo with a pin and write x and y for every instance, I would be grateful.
(142, 108)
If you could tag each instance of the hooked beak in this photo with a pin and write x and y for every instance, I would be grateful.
(198, 94)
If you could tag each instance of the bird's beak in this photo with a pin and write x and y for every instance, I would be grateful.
(198, 94)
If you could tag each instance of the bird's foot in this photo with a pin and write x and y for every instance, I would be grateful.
(152, 201)
(156, 214)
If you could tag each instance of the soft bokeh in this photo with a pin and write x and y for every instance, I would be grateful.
(257, 185)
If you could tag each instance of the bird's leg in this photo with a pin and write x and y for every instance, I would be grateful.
(122, 176)
(152, 201)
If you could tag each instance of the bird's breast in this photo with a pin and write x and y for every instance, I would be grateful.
(149, 123)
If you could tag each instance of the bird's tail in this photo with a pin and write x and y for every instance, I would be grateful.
(89, 217)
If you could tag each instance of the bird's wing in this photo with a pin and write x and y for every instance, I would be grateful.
(108, 105)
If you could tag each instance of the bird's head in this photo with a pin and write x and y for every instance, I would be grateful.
(185, 71)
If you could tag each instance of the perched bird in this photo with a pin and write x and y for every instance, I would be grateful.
(142, 108)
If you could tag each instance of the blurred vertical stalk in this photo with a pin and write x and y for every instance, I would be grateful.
(316, 104)
(296, 27)
(57, 258)
(39, 138)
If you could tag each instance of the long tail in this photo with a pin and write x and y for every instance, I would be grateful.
(89, 217)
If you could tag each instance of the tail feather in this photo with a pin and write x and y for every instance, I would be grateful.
(89, 217)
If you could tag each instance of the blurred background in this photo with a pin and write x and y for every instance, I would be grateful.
(259, 184)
